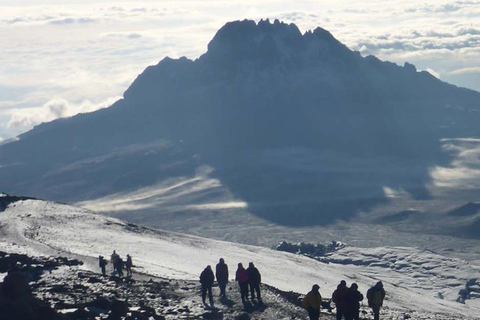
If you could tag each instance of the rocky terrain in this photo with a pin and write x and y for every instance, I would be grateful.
(58, 288)
(47, 288)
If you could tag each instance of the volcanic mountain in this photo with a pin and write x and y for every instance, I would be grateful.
(294, 129)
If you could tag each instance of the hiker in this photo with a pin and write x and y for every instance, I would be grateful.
(375, 296)
(338, 297)
(119, 266)
(241, 276)
(128, 265)
(221, 272)
(352, 303)
(312, 302)
(206, 279)
(102, 263)
(254, 280)
(113, 260)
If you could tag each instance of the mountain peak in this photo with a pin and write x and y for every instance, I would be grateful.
(250, 40)
(246, 29)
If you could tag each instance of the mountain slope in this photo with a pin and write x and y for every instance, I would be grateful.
(294, 129)
(422, 281)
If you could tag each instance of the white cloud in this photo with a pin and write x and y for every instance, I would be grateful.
(466, 70)
(433, 73)
(394, 193)
(166, 194)
(53, 109)
(71, 21)
(464, 171)
(456, 177)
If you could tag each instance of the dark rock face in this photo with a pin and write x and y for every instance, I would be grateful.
(315, 251)
(17, 301)
(16, 298)
(472, 287)
(118, 309)
(34, 267)
(7, 199)
(15, 287)
(302, 129)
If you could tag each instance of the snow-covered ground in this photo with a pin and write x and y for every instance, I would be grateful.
(416, 280)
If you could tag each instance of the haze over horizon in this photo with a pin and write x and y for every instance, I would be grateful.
(61, 58)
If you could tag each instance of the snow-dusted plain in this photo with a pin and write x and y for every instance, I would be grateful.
(421, 281)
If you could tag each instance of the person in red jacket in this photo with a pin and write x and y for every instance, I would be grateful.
(241, 276)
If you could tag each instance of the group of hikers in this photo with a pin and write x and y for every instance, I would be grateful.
(249, 278)
(118, 264)
(347, 301)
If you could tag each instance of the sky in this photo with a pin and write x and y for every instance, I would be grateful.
(63, 57)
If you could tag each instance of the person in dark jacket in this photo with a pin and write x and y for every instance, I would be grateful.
(113, 260)
(338, 297)
(375, 297)
(102, 264)
(254, 280)
(313, 302)
(221, 272)
(119, 266)
(206, 279)
(352, 303)
(241, 276)
(129, 265)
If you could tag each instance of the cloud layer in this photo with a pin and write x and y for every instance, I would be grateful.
(464, 171)
(59, 58)
(53, 109)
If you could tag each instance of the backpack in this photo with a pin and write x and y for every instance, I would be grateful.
(376, 298)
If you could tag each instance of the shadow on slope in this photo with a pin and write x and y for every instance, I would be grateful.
(398, 217)
(469, 209)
